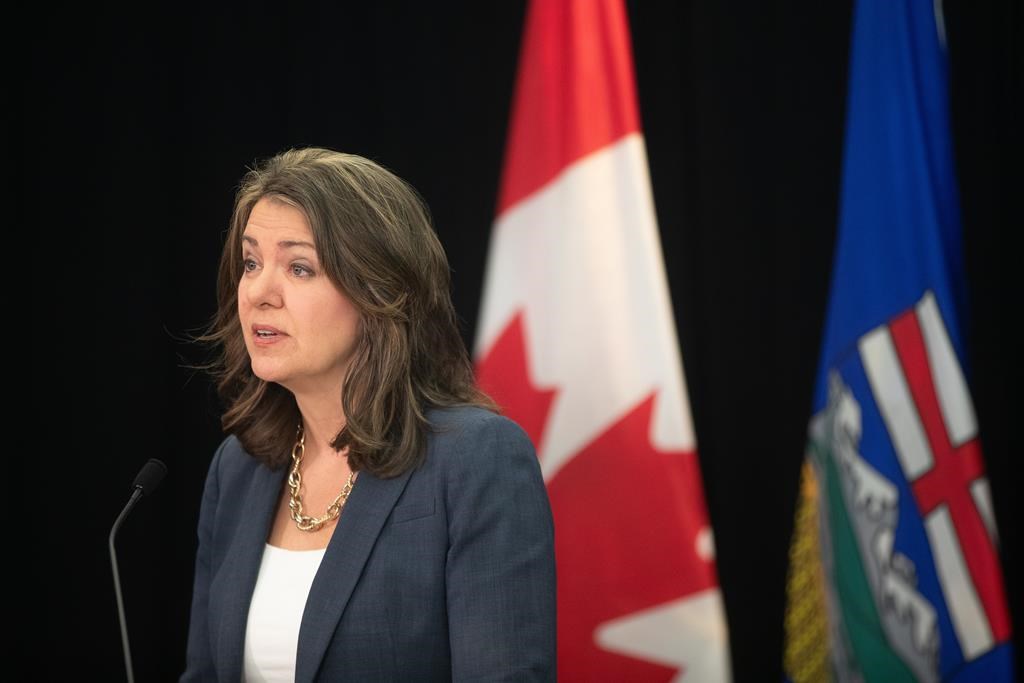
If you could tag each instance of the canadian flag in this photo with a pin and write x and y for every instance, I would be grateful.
(576, 341)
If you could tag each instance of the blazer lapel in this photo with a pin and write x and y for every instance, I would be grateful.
(359, 525)
(241, 569)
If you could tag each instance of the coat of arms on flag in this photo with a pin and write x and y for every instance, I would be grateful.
(906, 514)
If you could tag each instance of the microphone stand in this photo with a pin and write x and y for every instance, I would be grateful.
(117, 584)
(146, 481)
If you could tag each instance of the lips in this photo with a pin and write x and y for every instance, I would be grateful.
(266, 334)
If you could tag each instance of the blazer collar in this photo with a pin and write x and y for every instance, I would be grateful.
(358, 527)
(241, 568)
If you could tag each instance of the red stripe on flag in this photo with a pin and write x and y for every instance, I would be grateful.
(575, 92)
(948, 481)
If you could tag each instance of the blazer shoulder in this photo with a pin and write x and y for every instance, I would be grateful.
(232, 460)
(476, 439)
(455, 424)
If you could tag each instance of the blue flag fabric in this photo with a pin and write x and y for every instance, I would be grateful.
(899, 222)
(911, 579)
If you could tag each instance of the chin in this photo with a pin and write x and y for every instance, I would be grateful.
(269, 374)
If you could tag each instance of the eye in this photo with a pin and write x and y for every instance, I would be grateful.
(245, 263)
(306, 271)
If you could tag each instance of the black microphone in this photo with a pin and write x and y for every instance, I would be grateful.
(146, 481)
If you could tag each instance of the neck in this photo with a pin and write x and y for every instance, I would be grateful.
(322, 419)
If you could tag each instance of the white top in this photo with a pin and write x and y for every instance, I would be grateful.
(275, 613)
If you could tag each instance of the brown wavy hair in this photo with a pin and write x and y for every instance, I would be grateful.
(375, 241)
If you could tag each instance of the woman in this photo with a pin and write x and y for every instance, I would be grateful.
(370, 516)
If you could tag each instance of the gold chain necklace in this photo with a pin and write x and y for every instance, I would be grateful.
(304, 522)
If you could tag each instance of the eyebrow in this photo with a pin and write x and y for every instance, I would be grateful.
(284, 244)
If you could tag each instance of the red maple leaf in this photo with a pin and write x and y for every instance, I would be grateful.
(627, 517)
(504, 374)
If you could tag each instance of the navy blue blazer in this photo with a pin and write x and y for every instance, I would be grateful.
(446, 572)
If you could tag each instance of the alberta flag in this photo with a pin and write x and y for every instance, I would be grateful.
(577, 343)
(894, 567)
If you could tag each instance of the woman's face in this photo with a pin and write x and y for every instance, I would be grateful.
(283, 286)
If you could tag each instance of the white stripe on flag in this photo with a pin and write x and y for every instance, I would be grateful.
(895, 403)
(583, 257)
(950, 385)
(965, 608)
(983, 501)
(687, 634)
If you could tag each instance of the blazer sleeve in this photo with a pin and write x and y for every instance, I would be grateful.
(199, 665)
(500, 575)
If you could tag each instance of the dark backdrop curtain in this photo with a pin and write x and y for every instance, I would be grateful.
(136, 124)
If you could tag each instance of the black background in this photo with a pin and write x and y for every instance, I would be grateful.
(139, 122)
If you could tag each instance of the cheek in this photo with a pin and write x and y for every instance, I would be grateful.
(344, 327)
(352, 324)
(241, 298)
(243, 319)
(342, 314)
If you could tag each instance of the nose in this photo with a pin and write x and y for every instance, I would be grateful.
(262, 287)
